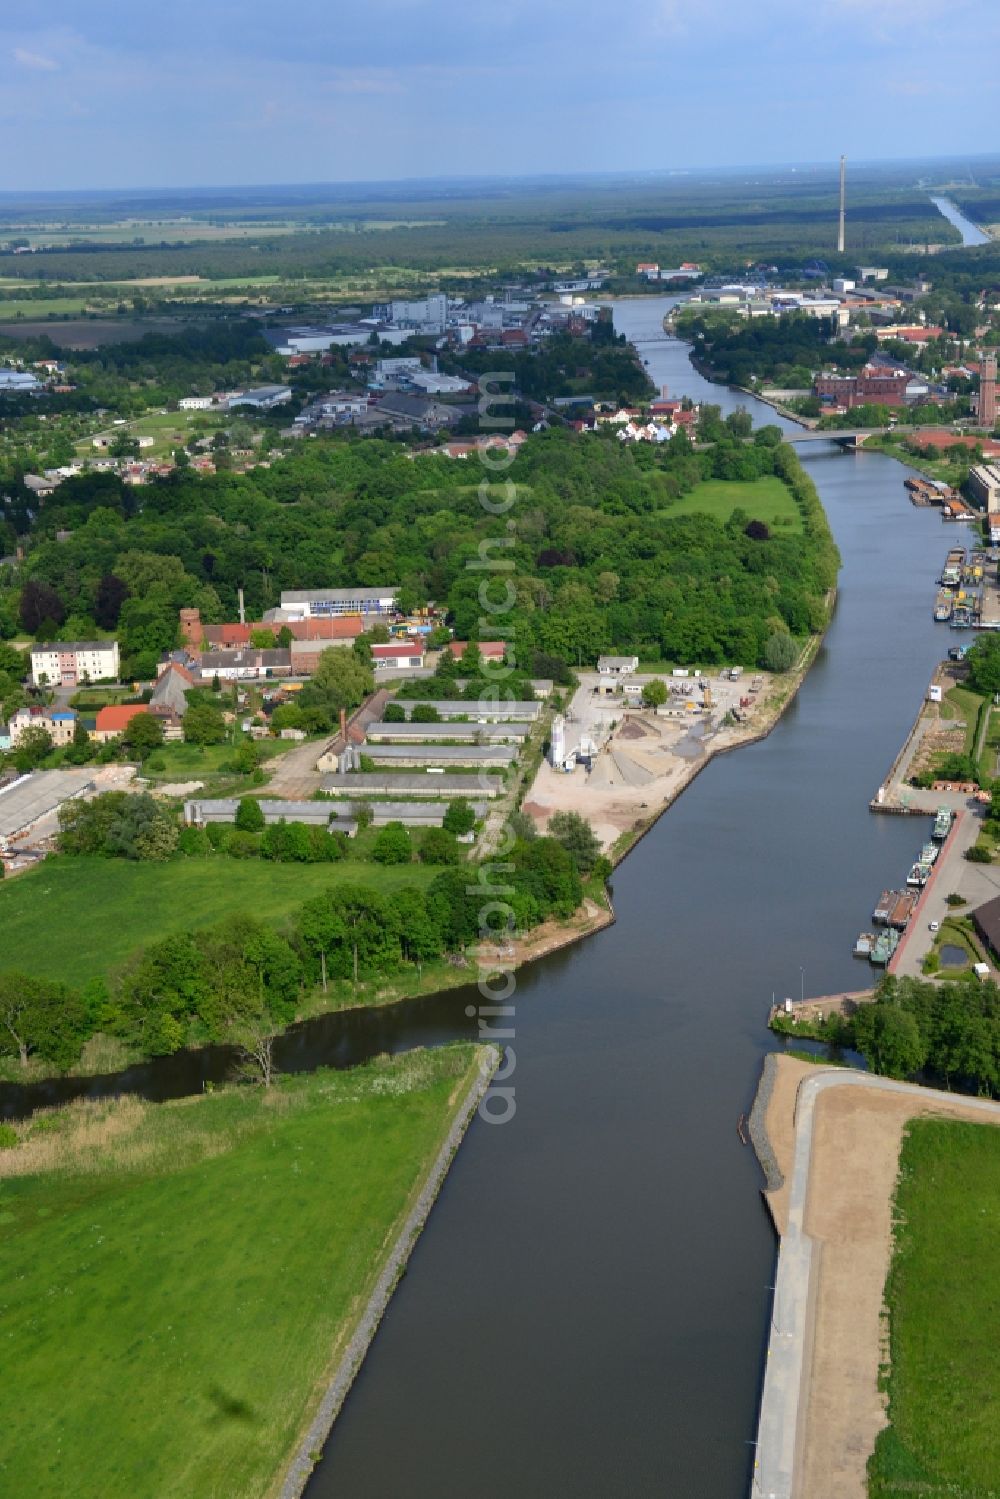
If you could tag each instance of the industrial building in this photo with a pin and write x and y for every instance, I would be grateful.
(18, 382)
(263, 398)
(26, 801)
(984, 486)
(476, 710)
(872, 386)
(429, 315)
(467, 733)
(359, 785)
(489, 756)
(302, 603)
(316, 814)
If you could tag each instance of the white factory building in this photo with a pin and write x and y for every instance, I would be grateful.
(310, 603)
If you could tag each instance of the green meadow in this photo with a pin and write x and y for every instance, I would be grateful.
(178, 1280)
(942, 1293)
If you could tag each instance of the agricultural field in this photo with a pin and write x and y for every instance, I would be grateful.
(943, 1435)
(73, 332)
(48, 915)
(14, 309)
(766, 499)
(185, 1275)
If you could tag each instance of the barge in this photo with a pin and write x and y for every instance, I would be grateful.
(885, 945)
(951, 573)
(942, 824)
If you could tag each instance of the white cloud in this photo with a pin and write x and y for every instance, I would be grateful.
(365, 81)
(36, 60)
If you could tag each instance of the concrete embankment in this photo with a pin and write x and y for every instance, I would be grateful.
(834, 1136)
(297, 1475)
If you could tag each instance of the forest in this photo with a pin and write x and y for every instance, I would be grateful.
(506, 227)
(785, 351)
(598, 561)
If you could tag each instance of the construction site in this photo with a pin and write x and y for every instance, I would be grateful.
(617, 761)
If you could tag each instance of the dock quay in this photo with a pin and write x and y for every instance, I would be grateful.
(969, 593)
(930, 736)
(822, 1008)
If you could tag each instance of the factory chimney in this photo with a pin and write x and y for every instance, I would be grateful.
(843, 204)
(243, 613)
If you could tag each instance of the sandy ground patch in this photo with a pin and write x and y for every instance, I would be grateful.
(636, 775)
(857, 1135)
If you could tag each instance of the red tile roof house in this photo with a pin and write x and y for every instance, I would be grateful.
(111, 722)
(489, 650)
(398, 653)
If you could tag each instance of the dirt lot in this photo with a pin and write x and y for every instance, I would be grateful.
(939, 738)
(855, 1155)
(646, 758)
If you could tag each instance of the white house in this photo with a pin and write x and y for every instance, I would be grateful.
(65, 663)
(617, 666)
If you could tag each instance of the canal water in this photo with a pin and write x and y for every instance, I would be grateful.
(970, 232)
(584, 1314)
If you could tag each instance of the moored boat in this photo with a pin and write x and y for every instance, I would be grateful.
(884, 947)
(942, 824)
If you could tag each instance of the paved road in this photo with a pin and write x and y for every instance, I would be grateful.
(779, 1432)
(952, 873)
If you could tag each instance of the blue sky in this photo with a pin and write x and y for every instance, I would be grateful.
(115, 93)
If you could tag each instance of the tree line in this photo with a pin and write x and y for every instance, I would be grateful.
(948, 1032)
(240, 981)
(598, 561)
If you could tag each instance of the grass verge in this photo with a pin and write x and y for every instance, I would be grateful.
(178, 1279)
(944, 1378)
(766, 499)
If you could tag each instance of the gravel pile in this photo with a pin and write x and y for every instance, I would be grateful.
(758, 1128)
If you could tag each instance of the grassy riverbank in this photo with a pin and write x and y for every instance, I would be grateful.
(74, 919)
(944, 1380)
(179, 1278)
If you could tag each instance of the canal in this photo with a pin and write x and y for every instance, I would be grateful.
(584, 1314)
(970, 232)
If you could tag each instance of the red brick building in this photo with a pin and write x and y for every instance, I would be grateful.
(872, 386)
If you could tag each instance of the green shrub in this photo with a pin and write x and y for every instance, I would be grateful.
(8, 1137)
(438, 846)
(393, 845)
(249, 817)
(459, 818)
(243, 845)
